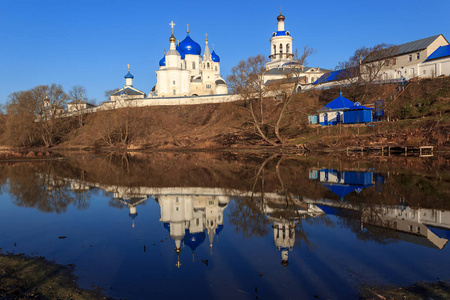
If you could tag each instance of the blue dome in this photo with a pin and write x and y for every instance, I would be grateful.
(188, 46)
(162, 62)
(129, 75)
(215, 57)
(180, 51)
(193, 240)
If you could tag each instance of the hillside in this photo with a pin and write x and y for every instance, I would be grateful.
(418, 116)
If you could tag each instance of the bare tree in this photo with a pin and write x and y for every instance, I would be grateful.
(78, 97)
(364, 69)
(247, 80)
(290, 86)
(34, 115)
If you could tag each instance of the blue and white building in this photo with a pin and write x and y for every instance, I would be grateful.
(343, 111)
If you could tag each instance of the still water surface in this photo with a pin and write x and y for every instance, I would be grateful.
(229, 226)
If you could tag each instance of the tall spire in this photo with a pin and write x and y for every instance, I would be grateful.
(207, 54)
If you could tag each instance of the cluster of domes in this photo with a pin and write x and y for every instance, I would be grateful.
(188, 46)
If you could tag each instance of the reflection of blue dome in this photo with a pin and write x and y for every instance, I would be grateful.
(133, 216)
(180, 51)
(129, 75)
(167, 226)
(162, 62)
(188, 46)
(193, 240)
(215, 57)
(219, 229)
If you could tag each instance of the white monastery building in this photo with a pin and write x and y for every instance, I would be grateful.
(183, 71)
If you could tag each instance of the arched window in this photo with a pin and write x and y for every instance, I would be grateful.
(207, 65)
(193, 65)
(287, 48)
(216, 68)
(281, 48)
(274, 49)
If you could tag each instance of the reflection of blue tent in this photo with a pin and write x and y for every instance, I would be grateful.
(335, 211)
(349, 181)
(343, 190)
(443, 233)
(193, 240)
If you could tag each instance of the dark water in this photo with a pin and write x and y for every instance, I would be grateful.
(224, 226)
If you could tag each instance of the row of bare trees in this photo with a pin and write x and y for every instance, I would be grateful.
(33, 117)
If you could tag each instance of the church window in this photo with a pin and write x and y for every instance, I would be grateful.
(274, 49)
(198, 222)
(174, 92)
(410, 57)
(207, 65)
(174, 82)
(211, 202)
(281, 48)
(287, 48)
(208, 86)
(193, 65)
(216, 68)
(418, 55)
(395, 61)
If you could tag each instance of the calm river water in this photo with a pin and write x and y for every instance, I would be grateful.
(215, 225)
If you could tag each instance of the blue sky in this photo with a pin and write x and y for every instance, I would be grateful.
(90, 42)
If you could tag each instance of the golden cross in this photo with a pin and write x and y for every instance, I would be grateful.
(206, 36)
(128, 67)
(187, 28)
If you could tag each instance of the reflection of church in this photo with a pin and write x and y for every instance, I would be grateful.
(190, 218)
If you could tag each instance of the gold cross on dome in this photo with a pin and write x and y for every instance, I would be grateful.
(172, 24)
(128, 67)
(187, 28)
(206, 36)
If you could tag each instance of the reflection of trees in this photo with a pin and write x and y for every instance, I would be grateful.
(43, 191)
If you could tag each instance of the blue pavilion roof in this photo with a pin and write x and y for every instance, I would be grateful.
(443, 233)
(342, 103)
(442, 51)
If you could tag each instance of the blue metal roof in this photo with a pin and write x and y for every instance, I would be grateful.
(280, 33)
(338, 75)
(442, 51)
(338, 103)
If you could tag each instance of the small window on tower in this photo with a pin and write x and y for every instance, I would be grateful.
(207, 65)
(174, 82)
(281, 48)
(174, 92)
(193, 65)
(216, 68)
(287, 48)
(274, 49)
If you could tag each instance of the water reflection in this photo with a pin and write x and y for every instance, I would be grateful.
(283, 199)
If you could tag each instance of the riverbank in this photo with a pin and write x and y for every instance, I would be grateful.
(24, 277)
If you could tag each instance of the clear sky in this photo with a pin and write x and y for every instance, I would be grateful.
(90, 42)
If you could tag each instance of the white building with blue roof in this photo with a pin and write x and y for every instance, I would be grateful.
(183, 71)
